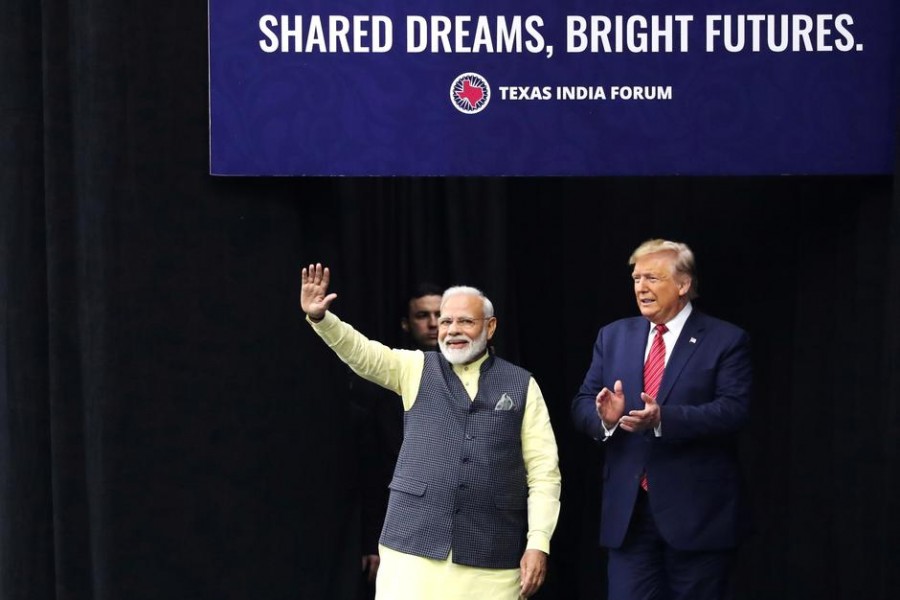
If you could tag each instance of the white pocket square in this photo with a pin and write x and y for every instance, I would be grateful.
(505, 403)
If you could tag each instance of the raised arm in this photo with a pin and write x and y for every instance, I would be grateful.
(396, 370)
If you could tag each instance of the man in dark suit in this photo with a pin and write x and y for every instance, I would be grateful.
(667, 394)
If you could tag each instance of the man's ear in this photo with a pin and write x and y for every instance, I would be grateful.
(684, 286)
(492, 327)
(404, 324)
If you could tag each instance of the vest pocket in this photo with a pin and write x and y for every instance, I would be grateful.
(408, 486)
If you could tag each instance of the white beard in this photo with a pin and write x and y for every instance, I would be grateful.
(462, 356)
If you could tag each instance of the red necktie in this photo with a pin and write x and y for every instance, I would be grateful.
(653, 373)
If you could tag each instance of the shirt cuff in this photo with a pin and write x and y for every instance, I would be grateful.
(607, 432)
(328, 321)
(537, 540)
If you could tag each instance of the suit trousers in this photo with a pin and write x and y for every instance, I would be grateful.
(645, 567)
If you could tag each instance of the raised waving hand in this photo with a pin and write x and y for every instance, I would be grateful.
(314, 296)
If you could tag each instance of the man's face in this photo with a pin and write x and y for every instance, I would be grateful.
(464, 332)
(422, 322)
(661, 293)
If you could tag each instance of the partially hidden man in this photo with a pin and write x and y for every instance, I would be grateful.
(475, 495)
(666, 394)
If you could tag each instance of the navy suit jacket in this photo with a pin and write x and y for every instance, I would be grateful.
(695, 487)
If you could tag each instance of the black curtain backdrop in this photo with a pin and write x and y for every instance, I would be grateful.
(171, 428)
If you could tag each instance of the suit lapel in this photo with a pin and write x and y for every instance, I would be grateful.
(690, 338)
(633, 382)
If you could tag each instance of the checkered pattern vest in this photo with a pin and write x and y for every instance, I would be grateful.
(460, 481)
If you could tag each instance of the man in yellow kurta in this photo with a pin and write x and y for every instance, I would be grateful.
(475, 494)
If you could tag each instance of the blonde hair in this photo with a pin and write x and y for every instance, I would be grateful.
(684, 259)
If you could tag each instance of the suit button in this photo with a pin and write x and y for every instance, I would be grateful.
(465, 460)
(463, 486)
(470, 437)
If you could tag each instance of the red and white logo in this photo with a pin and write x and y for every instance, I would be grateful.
(470, 93)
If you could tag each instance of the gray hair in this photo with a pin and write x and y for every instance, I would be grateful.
(684, 259)
(465, 290)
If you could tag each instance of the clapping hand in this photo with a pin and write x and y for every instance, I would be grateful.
(639, 420)
(611, 405)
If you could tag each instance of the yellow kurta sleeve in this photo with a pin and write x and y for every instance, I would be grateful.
(397, 370)
(542, 465)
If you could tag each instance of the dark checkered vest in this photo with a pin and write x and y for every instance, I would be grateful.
(460, 479)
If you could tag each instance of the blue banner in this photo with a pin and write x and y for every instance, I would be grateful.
(526, 87)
